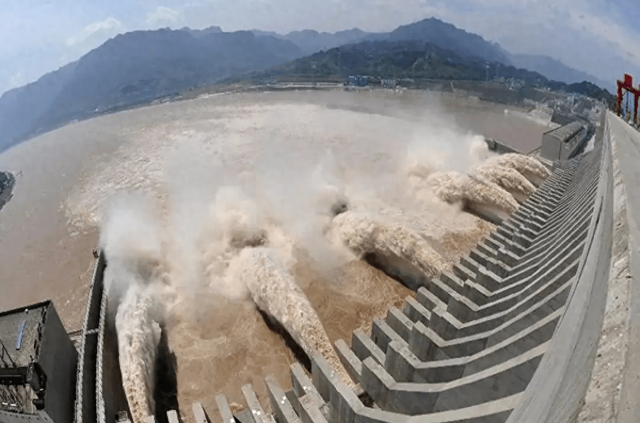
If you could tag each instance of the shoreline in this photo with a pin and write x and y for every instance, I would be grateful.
(482, 93)
(7, 183)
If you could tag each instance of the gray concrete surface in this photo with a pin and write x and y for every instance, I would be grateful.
(85, 403)
(38, 362)
(604, 389)
(627, 142)
(558, 387)
(563, 143)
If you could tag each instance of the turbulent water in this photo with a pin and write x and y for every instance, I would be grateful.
(492, 188)
(138, 339)
(364, 234)
(529, 167)
(233, 177)
(246, 238)
(472, 192)
(275, 292)
(508, 179)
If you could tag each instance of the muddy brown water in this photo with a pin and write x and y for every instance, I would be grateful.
(49, 228)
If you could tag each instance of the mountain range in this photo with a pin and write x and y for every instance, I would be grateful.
(141, 66)
(311, 41)
(554, 69)
(414, 63)
(405, 59)
(135, 68)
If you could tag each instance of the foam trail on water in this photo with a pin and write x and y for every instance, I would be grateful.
(529, 167)
(364, 234)
(509, 179)
(275, 292)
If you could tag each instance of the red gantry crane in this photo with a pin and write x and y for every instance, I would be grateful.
(627, 86)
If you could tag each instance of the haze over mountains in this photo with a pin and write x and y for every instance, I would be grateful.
(446, 36)
(395, 59)
(554, 69)
(311, 41)
(140, 66)
(417, 64)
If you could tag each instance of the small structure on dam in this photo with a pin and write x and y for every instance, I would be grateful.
(37, 366)
(565, 142)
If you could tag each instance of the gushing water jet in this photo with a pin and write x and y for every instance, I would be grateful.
(507, 178)
(393, 245)
(276, 293)
(478, 194)
(138, 339)
(529, 167)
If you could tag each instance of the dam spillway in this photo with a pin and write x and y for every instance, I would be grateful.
(510, 333)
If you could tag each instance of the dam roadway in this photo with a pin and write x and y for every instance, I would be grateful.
(626, 142)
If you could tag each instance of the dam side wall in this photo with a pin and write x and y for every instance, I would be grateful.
(627, 141)
(88, 354)
(556, 391)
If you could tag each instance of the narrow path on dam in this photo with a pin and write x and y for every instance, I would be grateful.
(627, 141)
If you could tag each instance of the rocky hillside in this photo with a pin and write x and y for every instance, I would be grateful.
(409, 62)
(135, 68)
(7, 181)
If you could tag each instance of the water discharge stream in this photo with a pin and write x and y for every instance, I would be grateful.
(529, 167)
(275, 292)
(138, 339)
(364, 234)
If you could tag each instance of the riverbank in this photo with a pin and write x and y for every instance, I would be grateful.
(7, 182)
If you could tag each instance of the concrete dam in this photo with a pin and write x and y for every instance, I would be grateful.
(518, 331)
(536, 321)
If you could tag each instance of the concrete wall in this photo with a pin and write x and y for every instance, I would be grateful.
(556, 391)
(88, 356)
(59, 361)
(498, 147)
(99, 392)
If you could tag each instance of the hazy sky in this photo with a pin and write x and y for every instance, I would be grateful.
(601, 37)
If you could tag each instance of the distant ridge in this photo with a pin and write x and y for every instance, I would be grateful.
(410, 62)
(431, 30)
(555, 69)
(447, 36)
(313, 41)
(412, 59)
(202, 32)
(135, 68)
(141, 66)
